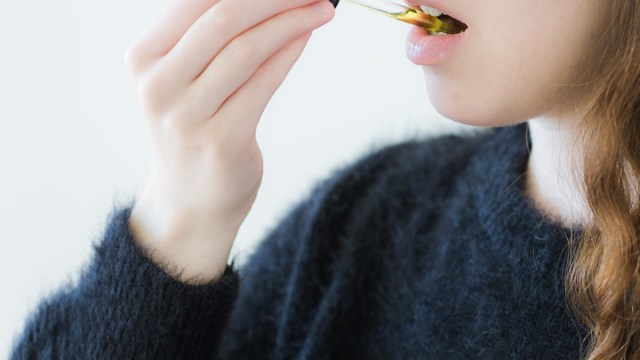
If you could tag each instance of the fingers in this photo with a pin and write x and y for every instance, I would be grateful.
(239, 60)
(217, 27)
(236, 121)
(165, 32)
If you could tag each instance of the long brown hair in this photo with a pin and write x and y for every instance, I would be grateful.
(602, 281)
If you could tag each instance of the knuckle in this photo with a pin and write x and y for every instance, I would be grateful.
(130, 59)
(175, 126)
(218, 20)
(240, 50)
(151, 91)
(223, 16)
(133, 58)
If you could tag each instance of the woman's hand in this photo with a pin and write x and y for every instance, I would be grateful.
(205, 71)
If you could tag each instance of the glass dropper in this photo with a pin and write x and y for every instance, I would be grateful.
(410, 15)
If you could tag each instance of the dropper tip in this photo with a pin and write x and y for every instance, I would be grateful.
(334, 2)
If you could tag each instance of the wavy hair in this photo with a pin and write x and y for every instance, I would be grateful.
(602, 281)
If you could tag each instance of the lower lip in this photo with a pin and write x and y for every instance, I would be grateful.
(425, 49)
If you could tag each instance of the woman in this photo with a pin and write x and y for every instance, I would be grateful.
(515, 242)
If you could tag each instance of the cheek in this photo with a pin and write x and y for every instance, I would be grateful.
(506, 76)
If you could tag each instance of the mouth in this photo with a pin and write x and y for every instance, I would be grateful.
(423, 48)
(440, 15)
(452, 21)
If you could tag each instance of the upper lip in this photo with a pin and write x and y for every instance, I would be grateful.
(438, 4)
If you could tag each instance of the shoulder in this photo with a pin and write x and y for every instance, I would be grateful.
(423, 161)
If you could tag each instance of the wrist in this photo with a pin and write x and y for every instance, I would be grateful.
(188, 246)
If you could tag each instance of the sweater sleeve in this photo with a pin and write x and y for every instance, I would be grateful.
(126, 307)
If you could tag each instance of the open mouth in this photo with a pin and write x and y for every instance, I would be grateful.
(444, 17)
(453, 21)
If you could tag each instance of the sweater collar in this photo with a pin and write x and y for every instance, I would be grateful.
(507, 214)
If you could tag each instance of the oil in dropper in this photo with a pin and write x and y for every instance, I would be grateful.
(431, 24)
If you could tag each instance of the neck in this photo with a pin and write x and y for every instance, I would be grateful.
(554, 172)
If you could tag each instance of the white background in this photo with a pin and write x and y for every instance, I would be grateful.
(73, 146)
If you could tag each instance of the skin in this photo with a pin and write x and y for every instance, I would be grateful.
(519, 62)
(205, 71)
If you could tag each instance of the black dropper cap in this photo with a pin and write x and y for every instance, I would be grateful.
(334, 2)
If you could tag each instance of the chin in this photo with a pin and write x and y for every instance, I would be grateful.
(454, 108)
(472, 111)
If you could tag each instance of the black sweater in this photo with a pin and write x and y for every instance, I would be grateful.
(427, 249)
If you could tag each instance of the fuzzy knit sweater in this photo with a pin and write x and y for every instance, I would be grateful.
(428, 249)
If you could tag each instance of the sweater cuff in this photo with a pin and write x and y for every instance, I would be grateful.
(141, 293)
